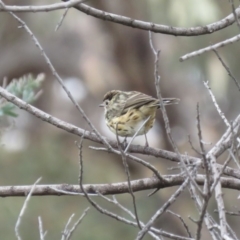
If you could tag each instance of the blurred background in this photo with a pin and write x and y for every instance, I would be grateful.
(93, 57)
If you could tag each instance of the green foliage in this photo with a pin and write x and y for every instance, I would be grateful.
(25, 88)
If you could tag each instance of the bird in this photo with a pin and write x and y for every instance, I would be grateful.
(130, 112)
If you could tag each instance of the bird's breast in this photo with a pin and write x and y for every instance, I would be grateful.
(131, 122)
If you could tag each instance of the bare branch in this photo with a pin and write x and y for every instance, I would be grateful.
(220, 202)
(193, 148)
(24, 208)
(108, 213)
(158, 28)
(203, 211)
(134, 158)
(65, 231)
(136, 133)
(203, 152)
(182, 221)
(149, 26)
(162, 210)
(227, 139)
(201, 207)
(232, 232)
(227, 68)
(109, 189)
(93, 203)
(126, 169)
(70, 232)
(234, 158)
(62, 18)
(210, 48)
(235, 14)
(114, 201)
(152, 229)
(221, 114)
(237, 214)
(220, 173)
(42, 8)
(40, 226)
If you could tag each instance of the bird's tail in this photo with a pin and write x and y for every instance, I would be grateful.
(168, 101)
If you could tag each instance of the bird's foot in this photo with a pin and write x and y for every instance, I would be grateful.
(124, 143)
(146, 145)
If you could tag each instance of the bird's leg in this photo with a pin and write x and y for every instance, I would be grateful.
(124, 143)
(146, 141)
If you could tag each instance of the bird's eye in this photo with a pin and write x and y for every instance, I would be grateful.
(106, 102)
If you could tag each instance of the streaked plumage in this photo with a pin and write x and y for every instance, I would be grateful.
(128, 110)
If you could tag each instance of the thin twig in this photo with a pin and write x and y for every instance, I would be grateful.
(203, 214)
(64, 192)
(203, 152)
(210, 48)
(218, 178)
(235, 147)
(226, 141)
(80, 159)
(227, 68)
(221, 114)
(70, 232)
(24, 208)
(235, 14)
(40, 227)
(126, 169)
(203, 210)
(232, 232)
(193, 148)
(62, 18)
(164, 112)
(65, 231)
(159, 212)
(93, 203)
(200, 204)
(114, 201)
(231, 213)
(136, 133)
(134, 158)
(219, 200)
(182, 221)
(152, 229)
(234, 158)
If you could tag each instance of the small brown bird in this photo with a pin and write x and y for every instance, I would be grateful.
(131, 112)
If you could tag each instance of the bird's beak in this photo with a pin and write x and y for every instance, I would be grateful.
(101, 105)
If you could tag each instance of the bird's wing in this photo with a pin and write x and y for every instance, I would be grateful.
(139, 99)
